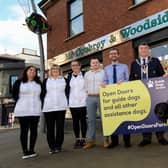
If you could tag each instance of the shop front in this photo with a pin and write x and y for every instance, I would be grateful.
(152, 29)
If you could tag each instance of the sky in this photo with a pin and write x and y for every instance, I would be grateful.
(14, 35)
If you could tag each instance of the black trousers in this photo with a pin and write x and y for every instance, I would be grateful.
(148, 135)
(115, 139)
(79, 121)
(55, 128)
(26, 124)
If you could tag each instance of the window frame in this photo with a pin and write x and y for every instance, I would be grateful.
(12, 81)
(70, 20)
(136, 3)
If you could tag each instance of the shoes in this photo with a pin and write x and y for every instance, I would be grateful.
(144, 143)
(90, 145)
(29, 154)
(163, 141)
(106, 144)
(52, 151)
(77, 144)
(82, 142)
(112, 145)
(56, 150)
(32, 154)
(26, 155)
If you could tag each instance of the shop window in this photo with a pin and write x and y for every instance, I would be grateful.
(138, 1)
(75, 17)
(12, 80)
(161, 51)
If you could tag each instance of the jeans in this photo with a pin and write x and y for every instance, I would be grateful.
(93, 104)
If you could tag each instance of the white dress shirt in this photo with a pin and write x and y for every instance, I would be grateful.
(146, 60)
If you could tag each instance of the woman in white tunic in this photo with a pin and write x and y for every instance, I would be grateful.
(26, 92)
(77, 103)
(54, 108)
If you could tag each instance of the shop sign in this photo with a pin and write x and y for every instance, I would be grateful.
(137, 29)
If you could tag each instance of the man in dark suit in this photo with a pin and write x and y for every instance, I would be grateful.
(145, 67)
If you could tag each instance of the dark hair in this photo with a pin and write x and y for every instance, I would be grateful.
(76, 61)
(115, 49)
(143, 43)
(24, 77)
(93, 58)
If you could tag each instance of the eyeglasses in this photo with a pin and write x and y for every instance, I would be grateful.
(74, 65)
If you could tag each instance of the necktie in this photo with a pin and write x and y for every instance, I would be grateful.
(144, 69)
(114, 74)
(144, 61)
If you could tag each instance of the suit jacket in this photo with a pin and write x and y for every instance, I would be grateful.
(155, 69)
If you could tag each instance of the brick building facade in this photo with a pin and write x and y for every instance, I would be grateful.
(108, 20)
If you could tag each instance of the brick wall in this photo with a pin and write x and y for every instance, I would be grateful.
(100, 17)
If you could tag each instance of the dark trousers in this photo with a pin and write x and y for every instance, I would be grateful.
(79, 121)
(148, 135)
(55, 136)
(26, 124)
(115, 139)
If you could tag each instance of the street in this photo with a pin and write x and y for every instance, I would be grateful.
(152, 156)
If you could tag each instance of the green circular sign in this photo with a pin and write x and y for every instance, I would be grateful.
(37, 23)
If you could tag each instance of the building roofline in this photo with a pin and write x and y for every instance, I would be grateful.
(10, 57)
(45, 4)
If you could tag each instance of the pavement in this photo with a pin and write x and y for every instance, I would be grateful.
(152, 156)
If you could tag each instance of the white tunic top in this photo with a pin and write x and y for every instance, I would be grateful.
(77, 97)
(55, 98)
(29, 103)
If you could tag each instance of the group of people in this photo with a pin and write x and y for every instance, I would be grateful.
(80, 92)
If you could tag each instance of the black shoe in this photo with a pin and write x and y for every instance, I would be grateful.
(52, 151)
(127, 144)
(77, 144)
(144, 143)
(29, 154)
(32, 154)
(82, 142)
(26, 155)
(163, 141)
(58, 149)
(112, 145)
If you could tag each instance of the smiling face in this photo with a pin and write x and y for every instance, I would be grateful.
(114, 55)
(94, 64)
(75, 66)
(31, 73)
(55, 71)
(144, 50)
